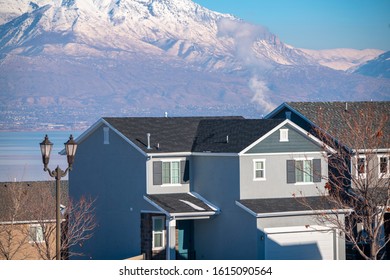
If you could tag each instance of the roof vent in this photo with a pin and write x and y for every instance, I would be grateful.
(166, 114)
(346, 106)
(227, 138)
(148, 136)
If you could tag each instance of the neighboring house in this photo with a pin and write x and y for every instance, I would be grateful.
(204, 188)
(25, 208)
(368, 160)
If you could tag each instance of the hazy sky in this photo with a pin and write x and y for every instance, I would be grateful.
(316, 24)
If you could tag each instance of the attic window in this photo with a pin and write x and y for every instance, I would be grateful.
(283, 135)
(106, 135)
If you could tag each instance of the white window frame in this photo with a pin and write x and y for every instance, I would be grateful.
(154, 218)
(303, 172)
(255, 178)
(387, 173)
(283, 135)
(171, 173)
(356, 167)
(37, 235)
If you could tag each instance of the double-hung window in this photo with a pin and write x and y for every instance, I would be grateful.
(171, 172)
(158, 232)
(36, 233)
(361, 167)
(384, 168)
(303, 171)
(259, 169)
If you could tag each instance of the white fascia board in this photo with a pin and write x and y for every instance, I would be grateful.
(213, 154)
(124, 137)
(368, 151)
(173, 154)
(292, 213)
(29, 222)
(212, 206)
(194, 215)
(295, 126)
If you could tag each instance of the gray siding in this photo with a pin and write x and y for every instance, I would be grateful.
(154, 184)
(114, 174)
(275, 184)
(231, 234)
(297, 143)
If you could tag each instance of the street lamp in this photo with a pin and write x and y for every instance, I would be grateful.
(58, 173)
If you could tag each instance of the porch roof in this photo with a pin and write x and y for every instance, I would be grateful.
(288, 206)
(183, 205)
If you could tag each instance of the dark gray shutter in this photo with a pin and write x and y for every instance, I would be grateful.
(185, 171)
(157, 173)
(290, 171)
(317, 170)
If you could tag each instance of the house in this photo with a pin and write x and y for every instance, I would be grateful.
(360, 130)
(27, 216)
(204, 188)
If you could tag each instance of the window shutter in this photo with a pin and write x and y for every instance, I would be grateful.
(157, 173)
(185, 171)
(317, 170)
(290, 171)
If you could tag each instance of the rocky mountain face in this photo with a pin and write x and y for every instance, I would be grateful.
(81, 59)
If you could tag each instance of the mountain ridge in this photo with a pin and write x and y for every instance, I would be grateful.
(144, 56)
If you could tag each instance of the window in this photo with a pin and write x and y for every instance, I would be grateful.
(158, 232)
(283, 135)
(171, 172)
(361, 167)
(36, 233)
(259, 169)
(106, 135)
(303, 171)
(384, 169)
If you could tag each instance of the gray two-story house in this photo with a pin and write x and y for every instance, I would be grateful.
(205, 188)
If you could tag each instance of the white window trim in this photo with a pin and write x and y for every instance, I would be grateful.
(355, 167)
(170, 170)
(312, 175)
(254, 170)
(31, 240)
(380, 174)
(163, 232)
(283, 135)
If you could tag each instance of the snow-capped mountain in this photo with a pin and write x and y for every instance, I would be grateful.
(342, 59)
(378, 67)
(143, 56)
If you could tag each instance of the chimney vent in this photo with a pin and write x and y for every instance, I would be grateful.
(346, 106)
(166, 114)
(227, 138)
(148, 136)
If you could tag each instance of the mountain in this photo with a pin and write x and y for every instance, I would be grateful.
(72, 61)
(378, 67)
(342, 59)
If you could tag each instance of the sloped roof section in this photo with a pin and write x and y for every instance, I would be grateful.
(167, 135)
(282, 206)
(193, 134)
(230, 136)
(182, 204)
(338, 117)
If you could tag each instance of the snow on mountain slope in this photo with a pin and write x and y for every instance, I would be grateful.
(342, 59)
(378, 67)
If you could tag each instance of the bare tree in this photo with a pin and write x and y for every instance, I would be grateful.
(13, 241)
(38, 202)
(358, 176)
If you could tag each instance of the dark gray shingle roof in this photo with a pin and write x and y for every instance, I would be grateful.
(332, 114)
(287, 204)
(176, 203)
(193, 134)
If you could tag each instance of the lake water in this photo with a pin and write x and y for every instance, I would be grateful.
(20, 155)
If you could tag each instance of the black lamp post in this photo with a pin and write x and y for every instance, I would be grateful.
(58, 173)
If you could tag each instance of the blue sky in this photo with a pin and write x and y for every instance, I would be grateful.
(316, 24)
